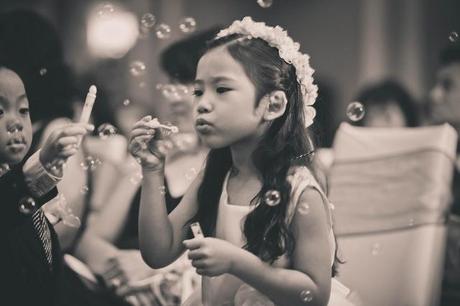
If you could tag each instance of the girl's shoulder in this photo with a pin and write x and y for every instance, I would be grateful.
(301, 178)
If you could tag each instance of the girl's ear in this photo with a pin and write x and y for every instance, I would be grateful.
(276, 106)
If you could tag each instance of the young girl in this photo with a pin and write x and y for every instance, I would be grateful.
(267, 222)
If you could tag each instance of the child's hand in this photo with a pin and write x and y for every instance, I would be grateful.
(147, 145)
(62, 143)
(211, 256)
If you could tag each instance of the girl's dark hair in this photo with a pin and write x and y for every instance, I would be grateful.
(285, 144)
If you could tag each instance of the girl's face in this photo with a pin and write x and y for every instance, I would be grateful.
(225, 98)
(15, 125)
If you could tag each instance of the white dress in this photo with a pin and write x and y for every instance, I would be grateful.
(229, 290)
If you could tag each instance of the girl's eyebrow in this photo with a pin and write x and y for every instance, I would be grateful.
(214, 80)
(22, 97)
(197, 82)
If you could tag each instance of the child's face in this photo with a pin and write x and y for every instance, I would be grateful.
(445, 96)
(225, 112)
(15, 125)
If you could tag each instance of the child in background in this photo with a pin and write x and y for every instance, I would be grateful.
(30, 256)
(266, 221)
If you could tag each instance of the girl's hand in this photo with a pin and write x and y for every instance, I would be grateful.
(147, 145)
(211, 256)
(61, 144)
(125, 267)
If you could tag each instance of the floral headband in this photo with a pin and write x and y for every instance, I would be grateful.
(288, 50)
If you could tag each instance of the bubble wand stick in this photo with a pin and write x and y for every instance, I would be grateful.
(88, 107)
(89, 102)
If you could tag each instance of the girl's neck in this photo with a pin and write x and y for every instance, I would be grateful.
(242, 160)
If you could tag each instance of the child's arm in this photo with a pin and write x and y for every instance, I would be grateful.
(14, 189)
(160, 235)
(310, 275)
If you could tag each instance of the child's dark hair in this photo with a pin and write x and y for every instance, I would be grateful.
(450, 54)
(179, 60)
(285, 144)
(33, 46)
(387, 91)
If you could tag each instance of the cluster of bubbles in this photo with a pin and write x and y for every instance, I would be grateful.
(173, 92)
(26, 205)
(272, 197)
(355, 111)
(187, 25)
(137, 68)
(163, 30)
(306, 296)
(106, 130)
(90, 163)
(453, 37)
(162, 190)
(265, 3)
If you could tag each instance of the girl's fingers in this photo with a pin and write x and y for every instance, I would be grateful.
(67, 140)
(193, 244)
(73, 130)
(199, 264)
(67, 152)
(201, 271)
(195, 254)
(143, 121)
(141, 132)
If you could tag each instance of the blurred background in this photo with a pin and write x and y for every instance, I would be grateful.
(352, 43)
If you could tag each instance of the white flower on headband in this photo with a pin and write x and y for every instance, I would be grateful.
(288, 50)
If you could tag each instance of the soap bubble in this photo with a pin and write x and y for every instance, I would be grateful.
(4, 168)
(163, 31)
(84, 189)
(355, 111)
(126, 102)
(169, 91)
(187, 25)
(137, 68)
(453, 36)
(265, 3)
(136, 178)
(106, 130)
(148, 20)
(43, 71)
(306, 296)
(105, 9)
(303, 209)
(375, 249)
(272, 197)
(191, 174)
(26, 205)
(182, 91)
(71, 221)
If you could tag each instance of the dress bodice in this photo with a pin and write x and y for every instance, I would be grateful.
(221, 290)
